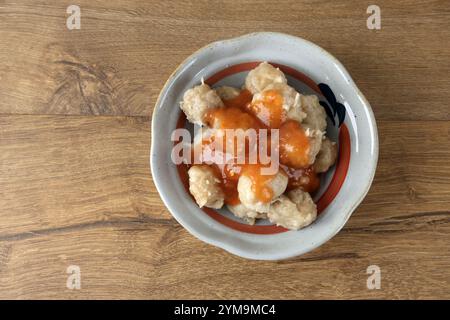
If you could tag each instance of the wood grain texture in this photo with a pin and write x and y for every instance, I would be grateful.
(75, 182)
(124, 52)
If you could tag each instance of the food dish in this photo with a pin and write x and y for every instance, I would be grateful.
(295, 125)
(310, 70)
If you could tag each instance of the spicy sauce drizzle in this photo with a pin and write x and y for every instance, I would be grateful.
(267, 113)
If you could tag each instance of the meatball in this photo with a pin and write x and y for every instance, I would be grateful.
(262, 76)
(205, 187)
(200, 147)
(294, 211)
(245, 213)
(197, 100)
(298, 146)
(278, 184)
(316, 118)
(227, 93)
(291, 100)
(296, 112)
(326, 156)
(212, 145)
(315, 143)
(248, 197)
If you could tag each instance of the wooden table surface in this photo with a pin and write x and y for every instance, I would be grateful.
(75, 182)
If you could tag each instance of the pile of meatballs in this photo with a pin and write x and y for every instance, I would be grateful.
(292, 209)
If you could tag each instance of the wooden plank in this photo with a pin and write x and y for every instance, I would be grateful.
(77, 190)
(145, 260)
(59, 171)
(126, 52)
(412, 173)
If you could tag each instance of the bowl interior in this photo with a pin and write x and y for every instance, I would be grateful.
(235, 76)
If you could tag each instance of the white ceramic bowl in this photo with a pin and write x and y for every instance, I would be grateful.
(309, 69)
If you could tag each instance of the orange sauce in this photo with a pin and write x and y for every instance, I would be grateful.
(234, 115)
(230, 118)
(240, 101)
(305, 178)
(269, 109)
(294, 145)
(241, 113)
(229, 177)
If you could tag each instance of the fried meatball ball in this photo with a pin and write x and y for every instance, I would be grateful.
(262, 76)
(294, 211)
(198, 146)
(245, 213)
(315, 143)
(296, 111)
(278, 184)
(230, 118)
(316, 117)
(298, 146)
(326, 156)
(305, 205)
(248, 197)
(291, 100)
(205, 187)
(227, 93)
(197, 100)
(213, 145)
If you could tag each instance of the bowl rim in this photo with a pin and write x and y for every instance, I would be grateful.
(228, 247)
